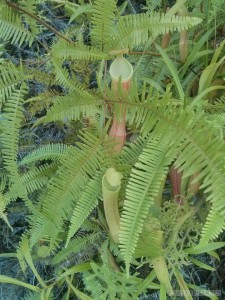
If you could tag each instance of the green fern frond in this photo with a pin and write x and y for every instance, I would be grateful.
(31, 6)
(65, 188)
(36, 296)
(63, 77)
(76, 167)
(38, 177)
(72, 52)
(102, 20)
(70, 107)
(13, 116)
(10, 79)
(214, 225)
(79, 10)
(78, 244)
(50, 151)
(134, 30)
(11, 27)
(34, 179)
(87, 202)
(142, 188)
(131, 152)
(40, 229)
(3, 214)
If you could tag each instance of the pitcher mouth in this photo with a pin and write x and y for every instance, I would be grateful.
(121, 68)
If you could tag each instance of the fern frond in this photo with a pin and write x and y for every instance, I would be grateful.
(65, 188)
(72, 52)
(142, 188)
(13, 115)
(63, 77)
(70, 107)
(77, 245)
(34, 179)
(11, 27)
(50, 151)
(132, 151)
(134, 30)
(79, 10)
(87, 202)
(35, 296)
(214, 225)
(38, 177)
(31, 6)
(3, 214)
(102, 20)
(10, 79)
(104, 283)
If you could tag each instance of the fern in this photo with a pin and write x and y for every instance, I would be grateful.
(103, 19)
(104, 283)
(13, 112)
(63, 77)
(72, 52)
(38, 177)
(214, 225)
(86, 203)
(67, 108)
(50, 151)
(35, 296)
(11, 28)
(3, 214)
(67, 225)
(80, 10)
(142, 188)
(134, 30)
(67, 184)
(78, 246)
(10, 79)
(31, 7)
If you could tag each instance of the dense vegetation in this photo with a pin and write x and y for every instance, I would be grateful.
(112, 149)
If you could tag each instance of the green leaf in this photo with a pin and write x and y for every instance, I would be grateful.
(173, 71)
(208, 74)
(204, 248)
(75, 269)
(24, 248)
(6, 279)
(184, 290)
(204, 292)
(200, 264)
(162, 293)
